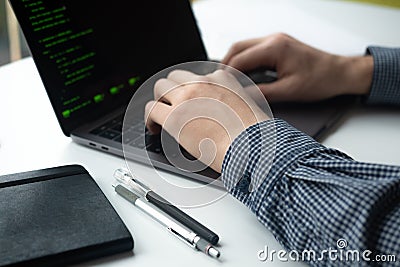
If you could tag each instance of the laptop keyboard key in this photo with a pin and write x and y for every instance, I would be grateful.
(156, 148)
(100, 129)
(138, 143)
(129, 136)
(153, 143)
(108, 125)
(117, 127)
(109, 134)
(153, 139)
(118, 138)
(139, 128)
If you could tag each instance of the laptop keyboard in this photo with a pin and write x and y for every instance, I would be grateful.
(135, 135)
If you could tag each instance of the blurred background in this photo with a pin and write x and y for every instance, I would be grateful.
(13, 46)
(12, 42)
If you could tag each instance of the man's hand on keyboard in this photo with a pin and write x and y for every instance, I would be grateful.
(203, 113)
(304, 73)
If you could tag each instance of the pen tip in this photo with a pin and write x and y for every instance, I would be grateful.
(213, 252)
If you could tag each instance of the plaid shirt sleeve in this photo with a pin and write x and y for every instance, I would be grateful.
(385, 87)
(312, 196)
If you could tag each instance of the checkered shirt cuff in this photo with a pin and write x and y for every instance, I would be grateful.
(385, 87)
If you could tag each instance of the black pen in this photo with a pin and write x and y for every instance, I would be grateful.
(125, 177)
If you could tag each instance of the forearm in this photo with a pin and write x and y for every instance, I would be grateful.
(312, 196)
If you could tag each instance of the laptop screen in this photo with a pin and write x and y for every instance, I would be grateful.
(92, 56)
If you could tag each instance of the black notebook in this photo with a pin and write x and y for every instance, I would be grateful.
(57, 216)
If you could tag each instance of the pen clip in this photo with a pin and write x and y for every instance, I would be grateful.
(126, 178)
(187, 242)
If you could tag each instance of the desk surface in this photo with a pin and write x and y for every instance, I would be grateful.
(31, 139)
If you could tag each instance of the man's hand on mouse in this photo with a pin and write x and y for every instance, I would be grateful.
(304, 73)
(203, 113)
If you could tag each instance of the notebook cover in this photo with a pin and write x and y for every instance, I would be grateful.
(57, 216)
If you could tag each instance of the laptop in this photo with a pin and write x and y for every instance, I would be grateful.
(93, 56)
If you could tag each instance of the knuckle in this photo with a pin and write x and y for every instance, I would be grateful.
(279, 42)
(172, 73)
(281, 38)
(281, 35)
(214, 76)
(220, 72)
(158, 84)
(236, 46)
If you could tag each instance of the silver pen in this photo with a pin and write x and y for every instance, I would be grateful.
(173, 226)
(125, 177)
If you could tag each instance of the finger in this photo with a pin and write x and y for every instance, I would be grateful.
(239, 47)
(225, 79)
(184, 76)
(278, 91)
(156, 113)
(261, 55)
(164, 90)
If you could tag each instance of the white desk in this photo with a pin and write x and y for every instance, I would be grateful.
(31, 139)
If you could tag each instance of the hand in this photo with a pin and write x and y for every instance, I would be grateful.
(203, 113)
(304, 73)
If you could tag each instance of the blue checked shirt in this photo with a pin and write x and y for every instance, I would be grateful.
(310, 196)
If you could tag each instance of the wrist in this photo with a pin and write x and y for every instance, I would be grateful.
(357, 72)
(219, 159)
(227, 138)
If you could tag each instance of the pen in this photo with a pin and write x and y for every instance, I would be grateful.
(126, 178)
(176, 228)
